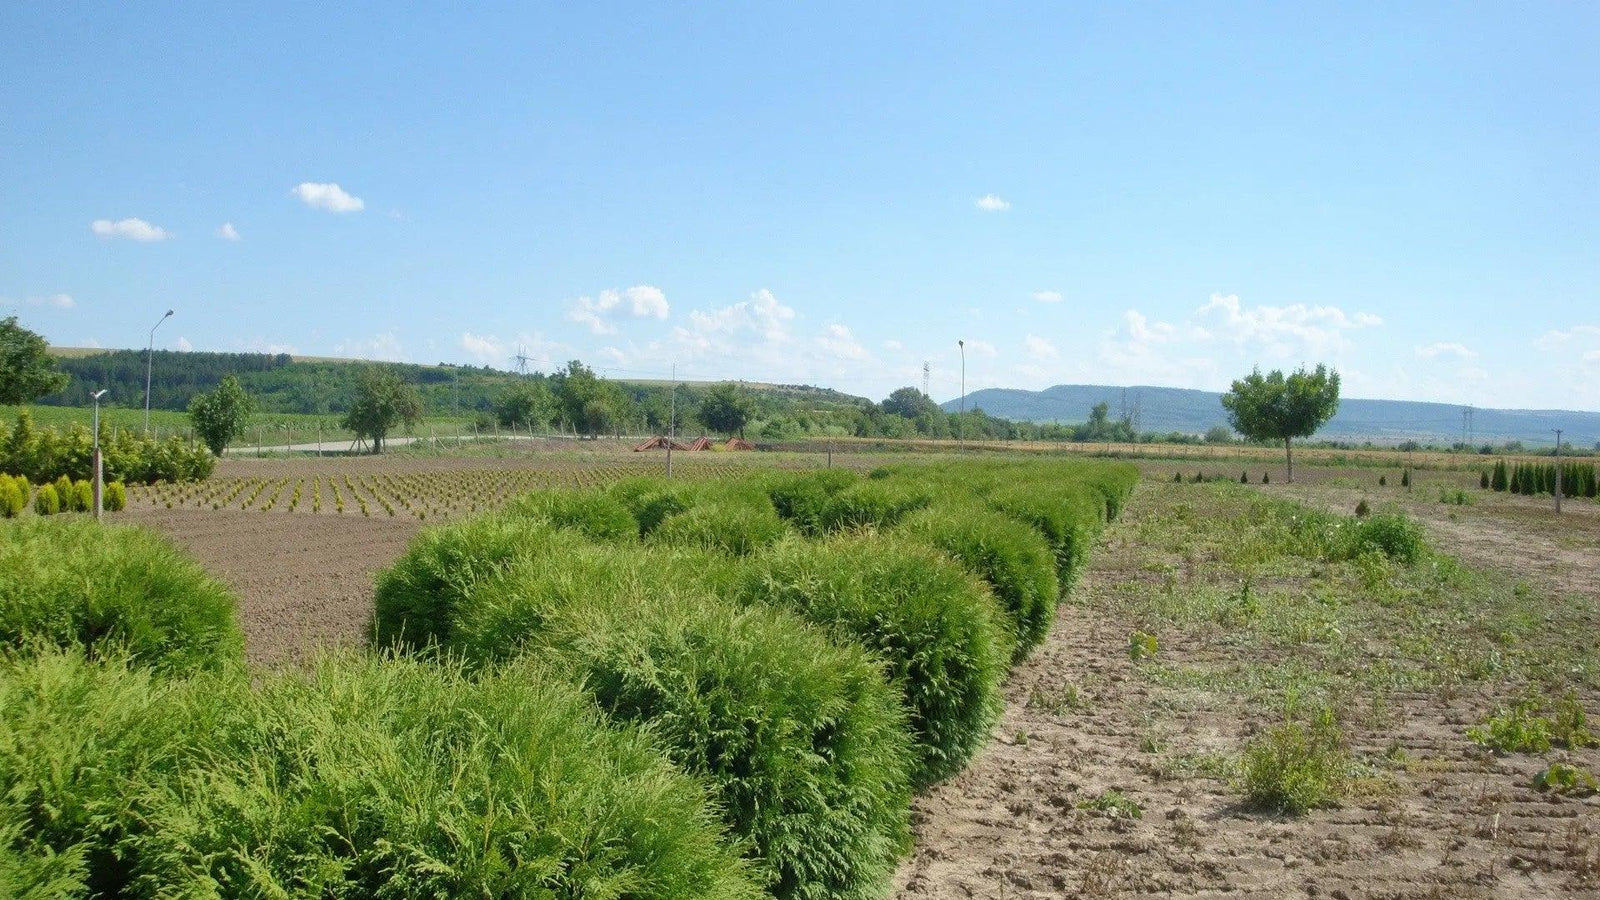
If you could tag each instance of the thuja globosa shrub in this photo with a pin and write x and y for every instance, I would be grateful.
(361, 778)
(802, 740)
(802, 500)
(943, 637)
(111, 589)
(594, 514)
(728, 520)
(46, 502)
(1066, 515)
(418, 598)
(1012, 558)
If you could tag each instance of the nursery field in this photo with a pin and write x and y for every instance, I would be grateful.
(855, 683)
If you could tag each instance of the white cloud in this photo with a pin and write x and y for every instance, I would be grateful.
(328, 196)
(227, 232)
(59, 301)
(1445, 348)
(647, 301)
(184, 345)
(837, 341)
(1281, 331)
(1039, 348)
(642, 300)
(130, 229)
(487, 349)
(761, 315)
(991, 203)
(1047, 296)
(980, 348)
(384, 346)
(1558, 340)
(893, 346)
(257, 345)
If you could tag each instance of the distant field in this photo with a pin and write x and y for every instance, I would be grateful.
(270, 429)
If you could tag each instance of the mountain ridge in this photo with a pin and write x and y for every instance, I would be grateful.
(1192, 411)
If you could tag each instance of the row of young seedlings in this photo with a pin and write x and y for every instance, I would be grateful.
(423, 495)
(17, 495)
(1578, 479)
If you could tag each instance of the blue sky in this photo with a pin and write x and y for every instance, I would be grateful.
(1151, 194)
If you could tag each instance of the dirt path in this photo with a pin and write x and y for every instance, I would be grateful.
(1081, 719)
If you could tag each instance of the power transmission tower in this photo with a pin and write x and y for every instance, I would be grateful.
(927, 379)
(521, 359)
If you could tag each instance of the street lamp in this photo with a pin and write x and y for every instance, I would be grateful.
(96, 458)
(961, 423)
(148, 353)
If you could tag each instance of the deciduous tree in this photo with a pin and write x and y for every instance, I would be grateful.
(1275, 407)
(27, 371)
(725, 408)
(382, 400)
(221, 415)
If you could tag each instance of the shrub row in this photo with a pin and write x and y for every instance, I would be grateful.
(63, 495)
(801, 738)
(45, 454)
(812, 645)
(1577, 479)
(363, 778)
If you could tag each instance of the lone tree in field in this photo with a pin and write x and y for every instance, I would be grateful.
(1275, 407)
(383, 400)
(725, 408)
(26, 370)
(221, 415)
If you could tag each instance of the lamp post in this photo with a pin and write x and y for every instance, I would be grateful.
(95, 460)
(961, 422)
(148, 354)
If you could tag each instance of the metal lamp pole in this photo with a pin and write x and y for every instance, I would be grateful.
(672, 418)
(148, 354)
(98, 490)
(961, 423)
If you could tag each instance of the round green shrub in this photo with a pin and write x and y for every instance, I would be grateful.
(82, 496)
(76, 583)
(802, 500)
(46, 502)
(803, 741)
(12, 500)
(417, 598)
(594, 514)
(1063, 514)
(721, 520)
(1013, 558)
(877, 503)
(650, 500)
(938, 629)
(63, 486)
(114, 496)
(362, 778)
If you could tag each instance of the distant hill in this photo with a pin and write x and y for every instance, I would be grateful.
(281, 383)
(1164, 409)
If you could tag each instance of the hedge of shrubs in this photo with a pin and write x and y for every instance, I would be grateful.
(366, 777)
(1578, 479)
(653, 690)
(45, 454)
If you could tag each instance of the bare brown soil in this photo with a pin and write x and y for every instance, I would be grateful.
(1451, 821)
(302, 581)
